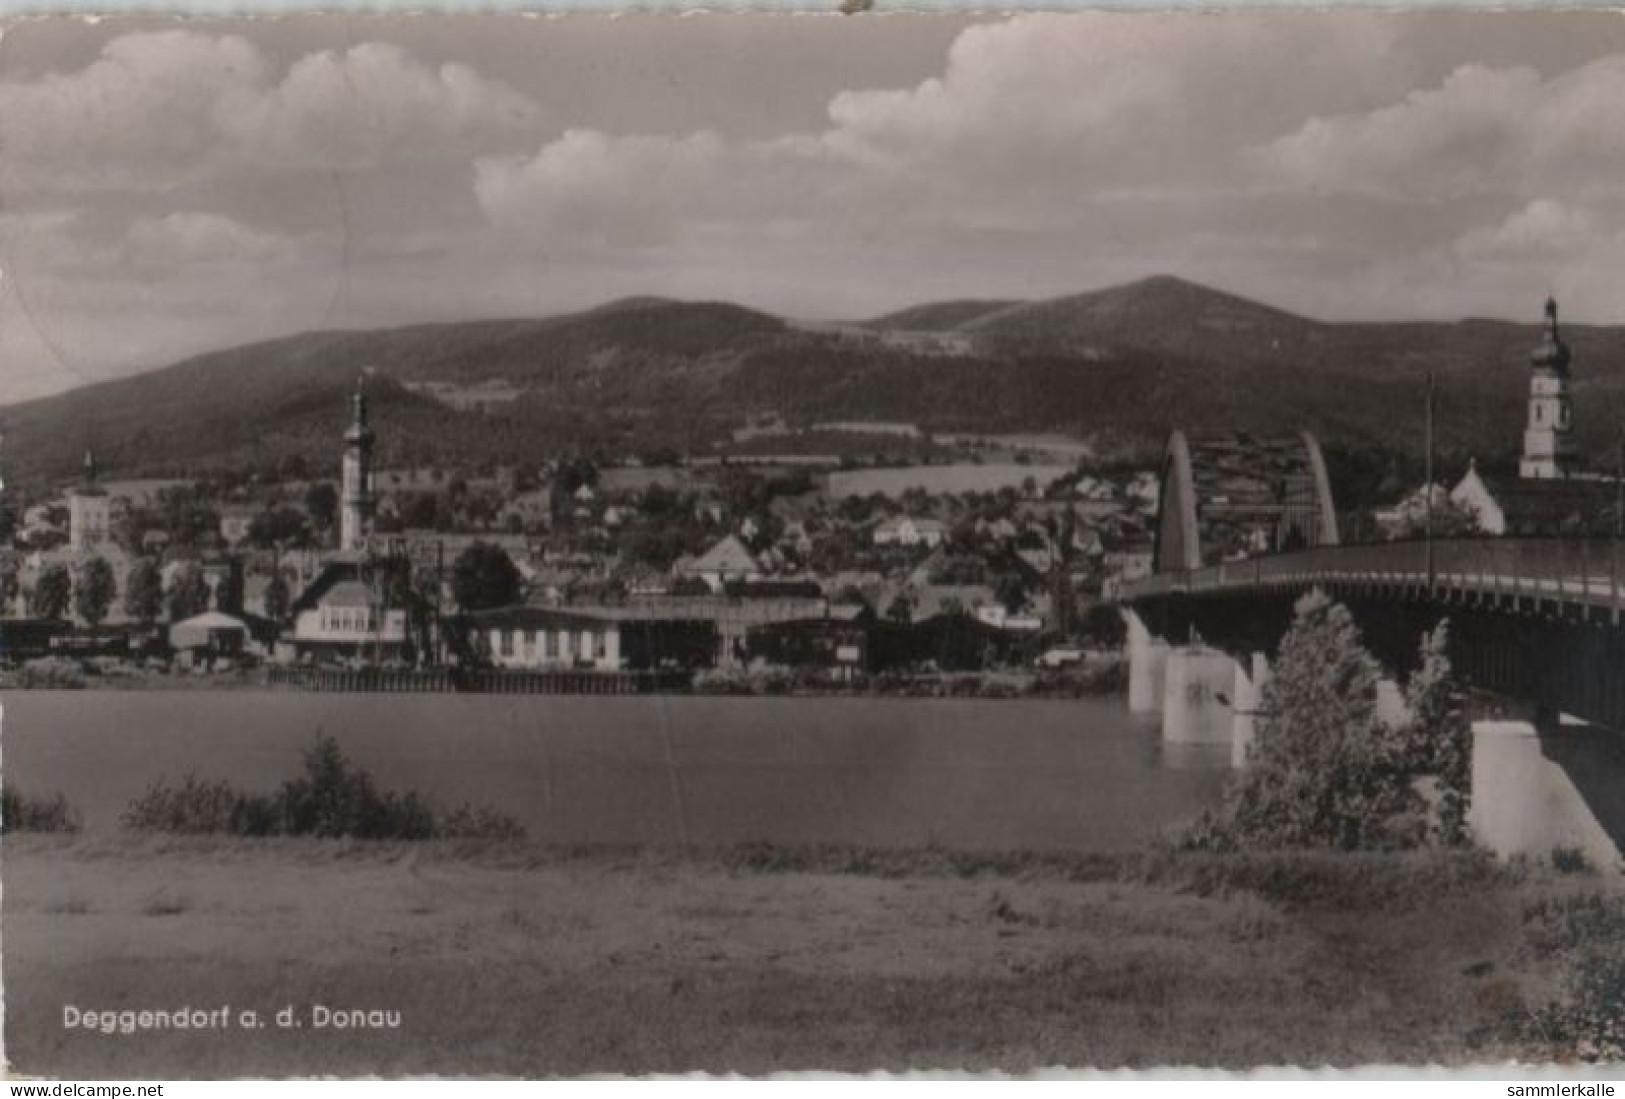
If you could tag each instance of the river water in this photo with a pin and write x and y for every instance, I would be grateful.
(965, 774)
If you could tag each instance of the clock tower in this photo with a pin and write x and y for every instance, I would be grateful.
(1548, 444)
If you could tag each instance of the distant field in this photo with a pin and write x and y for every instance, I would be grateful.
(638, 478)
(517, 961)
(967, 477)
(1060, 446)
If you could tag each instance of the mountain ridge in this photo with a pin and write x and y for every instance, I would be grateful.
(1122, 362)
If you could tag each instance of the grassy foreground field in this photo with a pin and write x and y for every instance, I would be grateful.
(529, 961)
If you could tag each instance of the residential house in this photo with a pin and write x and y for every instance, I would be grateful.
(590, 638)
(1572, 505)
(726, 561)
(348, 611)
(906, 530)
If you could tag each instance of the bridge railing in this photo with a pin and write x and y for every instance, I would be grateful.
(1588, 571)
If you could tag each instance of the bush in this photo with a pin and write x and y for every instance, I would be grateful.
(722, 681)
(1325, 771)
(51, 673)
(21, 813)
(333, 798)
(197, 807)
(1591, 1025)
(1570, 860)
(469, 822)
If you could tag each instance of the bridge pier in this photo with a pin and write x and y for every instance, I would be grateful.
(1147, 666)
(1195, 704)
(1534, 793)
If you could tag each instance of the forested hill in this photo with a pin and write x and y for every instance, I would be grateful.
(1121, 365)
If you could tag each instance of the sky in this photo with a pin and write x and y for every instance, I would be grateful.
(169, 187)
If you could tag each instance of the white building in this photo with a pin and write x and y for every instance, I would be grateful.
(909, 531)
(724, 563)
(345, 613)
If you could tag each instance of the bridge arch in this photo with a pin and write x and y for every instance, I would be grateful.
(1225, 496)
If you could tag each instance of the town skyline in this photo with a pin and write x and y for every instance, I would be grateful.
(303, 176)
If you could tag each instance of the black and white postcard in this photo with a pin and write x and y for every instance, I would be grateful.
(542, 547)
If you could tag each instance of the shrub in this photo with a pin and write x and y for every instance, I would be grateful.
(194, 807)
(51, 673)
(333, 798)
(1439, 738)
(722, 681)
(1591, 1025)
(1570, 860)
(1325, 771)
(997, 688)
(21, 813)
(1570, 923)
(469, 822)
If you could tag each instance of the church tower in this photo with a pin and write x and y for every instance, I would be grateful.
(356, 499)
(89, 511)
(1548, 446)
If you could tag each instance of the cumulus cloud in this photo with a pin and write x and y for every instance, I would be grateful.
(1481, 131)
(158, 109)
(375, 103)
(629, 189)
(188, 237)
(1107, 100)
(1543, 230)
(1033, 120)
(1347, 165)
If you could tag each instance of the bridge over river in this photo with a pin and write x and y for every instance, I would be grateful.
(1535, 627)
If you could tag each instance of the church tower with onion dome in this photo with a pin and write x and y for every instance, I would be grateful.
(355, 495)
(1548, 443)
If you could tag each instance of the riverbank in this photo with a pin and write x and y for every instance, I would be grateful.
(1103, 678)
(538, 961)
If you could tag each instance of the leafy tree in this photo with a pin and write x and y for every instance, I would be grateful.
(277, 599)
(188, 593)
(94, 591)
(657, 501)
(1440, 737)
(322, 504)
(10, 583)
(485, 576)
(422, 512)
(279, 526)
(228, 594)
(144, 591)
(1009, 590)
(574, 473)
(53, 591)
(1325, 770)
(901, 608)
(1104, 625)
(187, 516)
